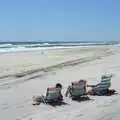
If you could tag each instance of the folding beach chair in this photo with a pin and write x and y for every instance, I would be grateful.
(103, 87)
(77, 89)
(53, 95)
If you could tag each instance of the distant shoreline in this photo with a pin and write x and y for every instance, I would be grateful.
(6, 47)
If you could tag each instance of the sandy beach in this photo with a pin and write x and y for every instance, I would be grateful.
(27, 74)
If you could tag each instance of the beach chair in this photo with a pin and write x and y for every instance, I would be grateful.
(103, 87)
(53, 96)
(77, 89)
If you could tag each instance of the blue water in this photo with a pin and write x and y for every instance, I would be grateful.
(27, 46)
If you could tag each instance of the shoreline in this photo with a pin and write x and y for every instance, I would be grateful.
(34, 49)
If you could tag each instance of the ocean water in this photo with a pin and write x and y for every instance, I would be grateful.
(27, 46)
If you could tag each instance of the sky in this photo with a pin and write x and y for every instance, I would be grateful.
(60, 20)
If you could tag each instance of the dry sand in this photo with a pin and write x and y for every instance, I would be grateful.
(27, 74)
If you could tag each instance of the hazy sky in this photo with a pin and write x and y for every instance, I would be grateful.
(26, 20)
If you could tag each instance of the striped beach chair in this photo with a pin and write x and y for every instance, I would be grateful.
(77, 89)
(103, 87)
(53, 95)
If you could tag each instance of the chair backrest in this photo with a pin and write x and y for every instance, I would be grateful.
(53, 93)
(78, 88)
(105, 82)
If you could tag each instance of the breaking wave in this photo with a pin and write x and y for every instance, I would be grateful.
(27, 46)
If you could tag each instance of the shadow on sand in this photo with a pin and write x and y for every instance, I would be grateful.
(55, 104)
(81, 99)
(40, 99)
(104, 93)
